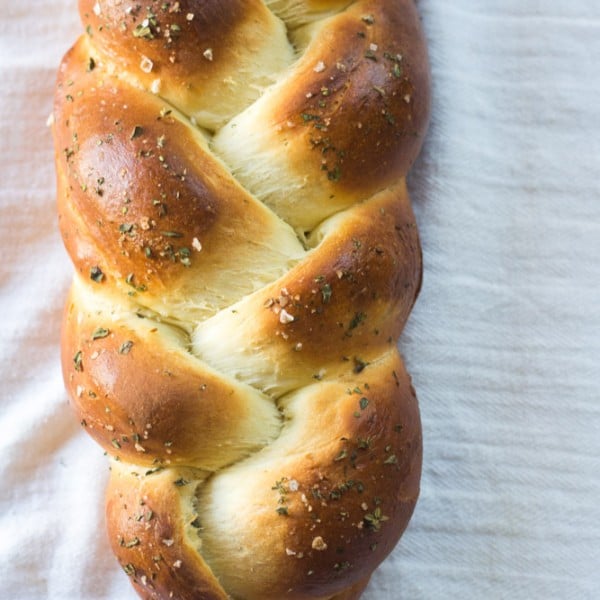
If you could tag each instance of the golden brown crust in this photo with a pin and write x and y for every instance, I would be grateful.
(147, 535)
(333, 311)
(314, 509)
(140, 197)
(347, 122)
(231, 191)
(171, 47)
(330, 494)
(145, 400)
(366, 111)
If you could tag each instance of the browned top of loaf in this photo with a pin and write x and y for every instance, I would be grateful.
(231, 191)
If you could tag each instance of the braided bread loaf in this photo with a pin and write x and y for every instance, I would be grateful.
(231, 189)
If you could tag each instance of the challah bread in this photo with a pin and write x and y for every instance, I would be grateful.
(231, 191)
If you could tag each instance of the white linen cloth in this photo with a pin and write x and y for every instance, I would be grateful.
(503, 345)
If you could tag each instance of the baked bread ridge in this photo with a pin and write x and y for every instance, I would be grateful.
(231, 191)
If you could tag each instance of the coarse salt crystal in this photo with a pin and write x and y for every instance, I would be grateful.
(285, 317)
(319, 67)
(146, 64)
(155, 86)
(319, 544)
(208, 54)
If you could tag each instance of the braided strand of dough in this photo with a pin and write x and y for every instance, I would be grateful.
(231, 191)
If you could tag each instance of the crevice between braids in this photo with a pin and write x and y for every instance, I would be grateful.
(287, 14)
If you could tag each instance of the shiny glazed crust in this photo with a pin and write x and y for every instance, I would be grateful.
(231, 191)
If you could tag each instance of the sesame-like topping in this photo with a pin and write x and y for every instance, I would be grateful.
(319, 544)
(155, 86)
(285, 317)
(146, 65)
